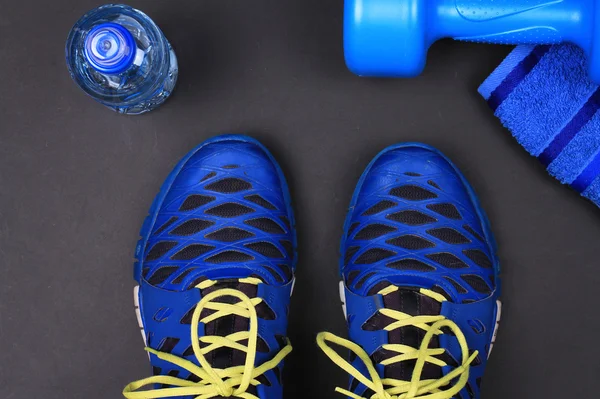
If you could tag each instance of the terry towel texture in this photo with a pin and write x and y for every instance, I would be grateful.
(543, 95)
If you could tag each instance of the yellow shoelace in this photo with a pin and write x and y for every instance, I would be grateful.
(232, 381)
(388, 388)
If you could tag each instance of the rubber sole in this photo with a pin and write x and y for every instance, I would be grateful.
(138, 314)
(497, 326)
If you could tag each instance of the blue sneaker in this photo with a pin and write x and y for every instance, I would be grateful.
(420, 281)
(215, 269)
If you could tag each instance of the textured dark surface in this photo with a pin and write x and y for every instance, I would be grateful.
(77, 181)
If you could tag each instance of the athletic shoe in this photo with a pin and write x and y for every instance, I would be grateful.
(215, 269)
(420, 281)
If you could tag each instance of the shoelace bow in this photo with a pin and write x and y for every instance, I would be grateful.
(232, 381)
(389, 388)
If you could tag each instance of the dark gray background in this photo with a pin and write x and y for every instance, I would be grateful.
(76, 181)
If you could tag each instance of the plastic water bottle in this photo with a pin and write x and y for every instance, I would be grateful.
(118, 55)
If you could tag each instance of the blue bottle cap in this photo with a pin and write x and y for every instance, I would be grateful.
(110, 48)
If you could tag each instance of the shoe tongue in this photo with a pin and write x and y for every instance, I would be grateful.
(414, 282)
(410, 301)
(227, 357)
(231, 283)
(223, 358)
(232, 272)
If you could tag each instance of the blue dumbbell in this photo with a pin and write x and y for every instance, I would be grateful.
(390, 38)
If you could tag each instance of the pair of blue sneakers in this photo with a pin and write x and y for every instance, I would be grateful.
(216, 263)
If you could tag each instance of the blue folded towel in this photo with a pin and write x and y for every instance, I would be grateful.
(543, 96)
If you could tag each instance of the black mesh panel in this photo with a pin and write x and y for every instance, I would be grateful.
(351, 276)
(229, 210)
(273, 273)
(195, 201)
(410, 241)
(208, 176)
(162, 274)
(448, 235)
(350, 253)
(229, 256)
(289, 247)
(159, 249)
(258, 200)
(473, 232)
(411, 218)
(477, 283)
(363, 279)
(191, 227)
(287, 271)
(192, 251)
(412, 193)
(169, 222)
(447, 210)
(168, 344)
(379, 207)
(179, 279)
(433, 184)
(265, 248)
(410, 264)
(479, 257)
(448, 260)
(459, 288)
(373, 255)
(229, 185)
(352, 227)
(229, 234)
(265, 224)
(372, 231)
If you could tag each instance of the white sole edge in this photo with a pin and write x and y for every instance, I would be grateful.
(138, 314)
(497, 326)
(342, 288)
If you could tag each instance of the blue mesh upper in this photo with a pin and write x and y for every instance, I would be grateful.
(414, 222)
(223, 214)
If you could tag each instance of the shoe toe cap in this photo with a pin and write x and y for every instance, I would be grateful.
(412, 174)
(227, 169)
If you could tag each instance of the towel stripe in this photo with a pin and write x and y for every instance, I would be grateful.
(561, 140)
(588, 175)
(516, 76)
(510, 62)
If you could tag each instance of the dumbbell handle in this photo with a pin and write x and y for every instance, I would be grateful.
(512, 22)
(391, 37)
